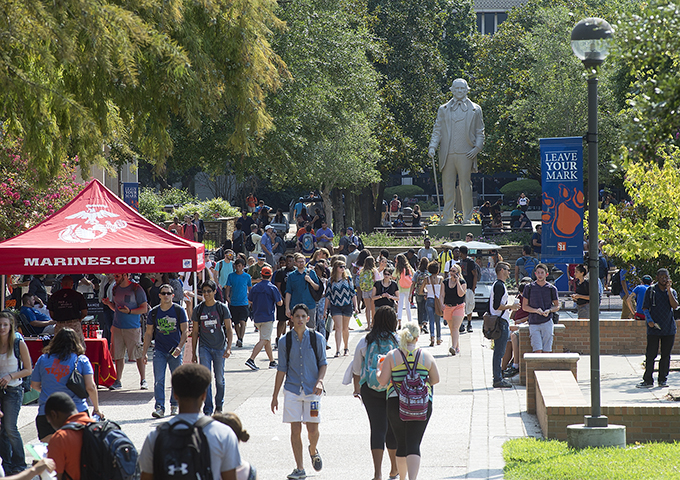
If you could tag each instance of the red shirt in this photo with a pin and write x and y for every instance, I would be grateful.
(65, 445)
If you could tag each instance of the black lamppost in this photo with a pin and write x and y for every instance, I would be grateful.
(590, 40)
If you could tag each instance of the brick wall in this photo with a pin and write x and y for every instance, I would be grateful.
(547, 361)
(617, 337)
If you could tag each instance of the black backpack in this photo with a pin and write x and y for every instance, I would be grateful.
(616, 286)
(107, 453)
(182, 451)
(26, 381)
(238, 243)
(250, 245)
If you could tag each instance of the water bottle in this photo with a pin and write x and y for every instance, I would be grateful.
(356, 317)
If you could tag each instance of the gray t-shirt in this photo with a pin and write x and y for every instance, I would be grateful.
(211, 321)
(224, 454)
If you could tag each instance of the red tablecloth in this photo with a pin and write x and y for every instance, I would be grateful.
(97, 350)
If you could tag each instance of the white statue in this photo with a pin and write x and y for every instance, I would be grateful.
(459, 133)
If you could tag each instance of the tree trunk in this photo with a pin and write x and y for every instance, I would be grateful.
(327, 206)
(338, 214)
(371, 206)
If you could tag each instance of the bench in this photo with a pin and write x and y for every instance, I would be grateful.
(401, 232)
(546, 361)
(525, 346)
(557, 393)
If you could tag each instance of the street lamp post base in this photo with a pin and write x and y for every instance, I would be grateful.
(581, 436)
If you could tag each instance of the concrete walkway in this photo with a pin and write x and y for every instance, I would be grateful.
(470, 420)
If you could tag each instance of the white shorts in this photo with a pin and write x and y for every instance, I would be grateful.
(296, 408)
(469, 301)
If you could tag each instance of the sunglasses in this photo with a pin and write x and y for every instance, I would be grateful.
(165, 293)
(342, 266)
(208, 291)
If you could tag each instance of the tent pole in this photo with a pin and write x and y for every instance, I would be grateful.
(195, 289)
(2, 295)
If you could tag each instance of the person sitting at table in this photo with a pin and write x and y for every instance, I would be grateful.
(51, 373)
(41, 323)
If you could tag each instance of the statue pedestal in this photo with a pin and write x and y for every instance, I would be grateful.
(454, 231)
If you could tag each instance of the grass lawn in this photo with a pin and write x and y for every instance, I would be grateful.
(532, 459)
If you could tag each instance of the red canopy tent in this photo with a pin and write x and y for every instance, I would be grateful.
(98, 233)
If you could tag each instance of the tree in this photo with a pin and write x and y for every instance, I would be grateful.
(80, 74)
(23, 202)
(648, 45)
(326, 113)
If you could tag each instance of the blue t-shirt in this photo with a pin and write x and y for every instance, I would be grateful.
(639, 292)
(306, 242)
(132, 297)
(239, 288)
(324, 232)
(267, 242)
(629, 285)
(52, 374)
(167, 327)
(264, 296)
(33, 314)
(224, 268)
(298, 288)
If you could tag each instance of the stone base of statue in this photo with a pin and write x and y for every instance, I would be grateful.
(454, 231)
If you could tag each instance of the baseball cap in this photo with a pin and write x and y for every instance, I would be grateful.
(266, 272)
(261, 255)
(268, 227)
(350, 228)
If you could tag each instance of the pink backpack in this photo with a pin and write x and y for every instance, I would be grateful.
(413, 394)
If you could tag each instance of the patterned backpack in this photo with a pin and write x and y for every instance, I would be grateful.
(413, 393)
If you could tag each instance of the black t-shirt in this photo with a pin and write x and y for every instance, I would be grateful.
(468, 268)
(582, 288)
(451, 296)
(392, 290)
(37, 288)
(536, 236)
(66, 305)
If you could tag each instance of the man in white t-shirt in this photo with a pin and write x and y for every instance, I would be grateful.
(190, 383)
(427, 252)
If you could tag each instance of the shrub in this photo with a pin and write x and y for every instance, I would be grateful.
(151, 205)
(531, 188)
(208, 209)
(403, 191)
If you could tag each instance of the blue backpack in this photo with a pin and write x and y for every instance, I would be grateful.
(369, 370)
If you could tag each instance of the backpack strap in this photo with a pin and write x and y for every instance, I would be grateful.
(203, 421)
(73, 426)
(312, 341)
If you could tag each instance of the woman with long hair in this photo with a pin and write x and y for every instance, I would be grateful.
(245, 471)
(392, 372)
(379, 341)
(418, 290)
(356, 269)
(581, 292)
(341, 300)
(51, 373)
(367, 278)
(323, 274)
(433, 288)
(12, 370)
(454, 305)
(319, 254)
(404, 274)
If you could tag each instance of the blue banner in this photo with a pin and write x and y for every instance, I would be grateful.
(563, 199)
(131, 194)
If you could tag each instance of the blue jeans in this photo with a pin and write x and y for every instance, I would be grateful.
(11, 445)
(161, 361)
(435, 320)
(207, 357)
(499, 350)
(321, 320)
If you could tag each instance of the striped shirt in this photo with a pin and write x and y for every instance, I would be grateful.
(341, 292)
(399, 373)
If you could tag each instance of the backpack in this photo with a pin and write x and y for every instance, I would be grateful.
(312, 341)
(369, 370)
(527, 269)
(413, 393)
(366, 280)
(107, 453)
(178, 313)
(238, 243)
(307, 241)
(420, 284)
(26, 381)
(182, 451)
(394, 206)
(250, 245)
(616, 286)
(280, 245)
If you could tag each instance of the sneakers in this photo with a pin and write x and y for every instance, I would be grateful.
(116, 385)
(316, 461)
(469, 328)
(173, 409)
(144, 385)
(250, 363)
(239, 343)
(158, 413)
(218, 409)
(297, 474)
(424, 329)
(461, 329)
(502, 384)
(644, 384)
(510, 372)
(273, 364)
(662, 383)
(452, 351)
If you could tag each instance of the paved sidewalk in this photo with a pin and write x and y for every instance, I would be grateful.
(470, 420)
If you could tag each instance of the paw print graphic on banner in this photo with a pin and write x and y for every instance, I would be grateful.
(563, 214)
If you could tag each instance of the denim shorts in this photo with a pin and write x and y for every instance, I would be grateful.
(345, 310)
